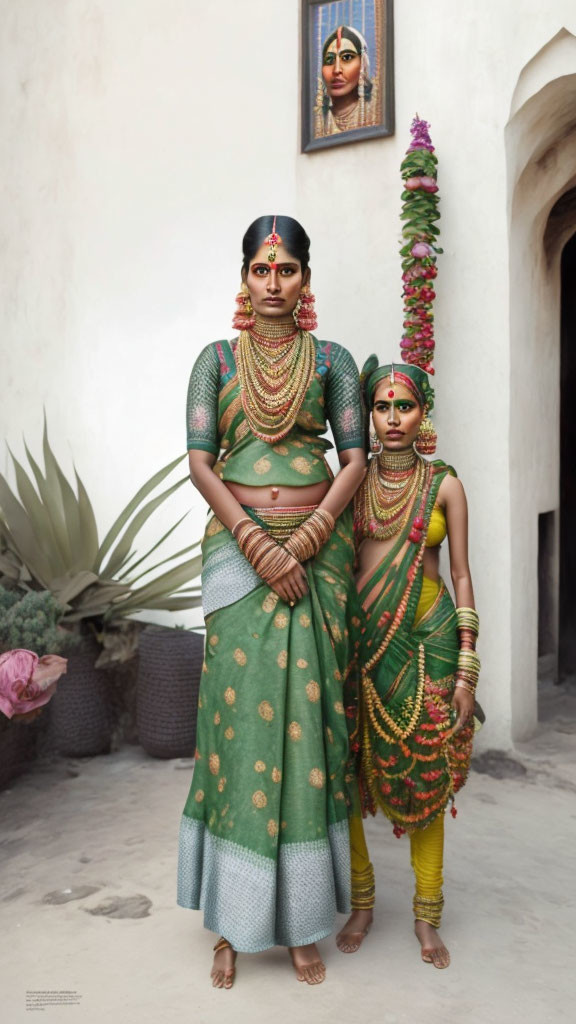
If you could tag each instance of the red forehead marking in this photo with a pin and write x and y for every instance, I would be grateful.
(273, 266)
(339, 37)
(390, 394)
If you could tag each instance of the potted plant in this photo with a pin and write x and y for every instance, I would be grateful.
(30, 642)
(49, 541)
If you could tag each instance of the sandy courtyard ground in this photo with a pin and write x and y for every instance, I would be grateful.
(100, 835)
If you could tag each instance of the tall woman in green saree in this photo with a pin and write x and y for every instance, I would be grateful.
(264, 836)
(419, 666)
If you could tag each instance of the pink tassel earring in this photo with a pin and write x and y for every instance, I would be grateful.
(306, 318)
(244, 317)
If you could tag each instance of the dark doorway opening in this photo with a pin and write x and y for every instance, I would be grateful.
(547, 596)
(567, 559)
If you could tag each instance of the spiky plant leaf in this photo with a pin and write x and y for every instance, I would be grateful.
(166, 583)
(54, 523)
(133, 565)
(17, 526)
(177, 554)
(176, 603)
(53, 476)
(32, 503)
(119, 524)
(124, 546)
(88, 525)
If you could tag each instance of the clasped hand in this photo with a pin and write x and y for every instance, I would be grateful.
(292, 584)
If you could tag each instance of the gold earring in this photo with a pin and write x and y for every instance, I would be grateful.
(376, 445)
(427, 438)
(244, 313)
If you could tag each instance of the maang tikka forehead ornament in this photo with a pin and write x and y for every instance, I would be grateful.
(273, 240)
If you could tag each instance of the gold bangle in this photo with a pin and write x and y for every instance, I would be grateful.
(243, 519)
(468, 660)
(308, 538)
(266, 557)
(463, 685)
(467, 618)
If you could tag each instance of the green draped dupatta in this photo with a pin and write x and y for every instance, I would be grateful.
(411, 759)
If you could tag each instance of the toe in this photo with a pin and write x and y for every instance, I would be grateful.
(349, 943)
(441, 958)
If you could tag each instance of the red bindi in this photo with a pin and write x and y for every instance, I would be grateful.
(390, 394)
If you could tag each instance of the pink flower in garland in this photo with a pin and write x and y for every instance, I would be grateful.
(421, 250)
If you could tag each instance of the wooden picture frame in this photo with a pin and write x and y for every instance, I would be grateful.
(347, 72)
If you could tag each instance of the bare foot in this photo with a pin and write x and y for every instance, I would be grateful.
(354, 931)
(433, 949)
(307, 964)
(224, 966)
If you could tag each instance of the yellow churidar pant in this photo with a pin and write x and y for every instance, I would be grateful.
(426, 844)
(427, 857)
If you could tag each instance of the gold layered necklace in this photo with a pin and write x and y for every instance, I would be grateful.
(349, 119)
(388, 494)
(275, 363)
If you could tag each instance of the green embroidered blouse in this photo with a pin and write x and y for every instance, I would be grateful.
(216, 421)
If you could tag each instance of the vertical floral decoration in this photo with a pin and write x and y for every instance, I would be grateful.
(419, 249)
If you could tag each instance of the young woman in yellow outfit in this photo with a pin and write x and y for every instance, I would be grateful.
(418, 662)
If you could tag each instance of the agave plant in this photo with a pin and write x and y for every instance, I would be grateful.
(49, 541)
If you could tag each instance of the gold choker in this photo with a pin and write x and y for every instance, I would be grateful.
(399, 461)
(273, 330)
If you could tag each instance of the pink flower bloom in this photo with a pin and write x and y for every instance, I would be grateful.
(421, 250)
(26, 681)
(419, 130)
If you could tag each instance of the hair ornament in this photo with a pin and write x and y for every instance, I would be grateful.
(273, 240)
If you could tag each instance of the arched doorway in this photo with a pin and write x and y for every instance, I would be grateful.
(567, 559)
(541, 159)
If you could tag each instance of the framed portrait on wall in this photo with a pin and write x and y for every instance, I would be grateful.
(347, 71)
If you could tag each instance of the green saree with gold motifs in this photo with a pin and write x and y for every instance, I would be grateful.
(264, 846)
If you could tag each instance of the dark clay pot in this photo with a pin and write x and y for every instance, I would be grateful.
(167, 695)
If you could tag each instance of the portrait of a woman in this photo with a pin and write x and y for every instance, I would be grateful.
(346, 89)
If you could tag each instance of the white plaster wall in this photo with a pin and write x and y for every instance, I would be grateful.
(139, 139)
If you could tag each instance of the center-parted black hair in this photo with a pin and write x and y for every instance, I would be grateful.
(347, 33)
(293, 236)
